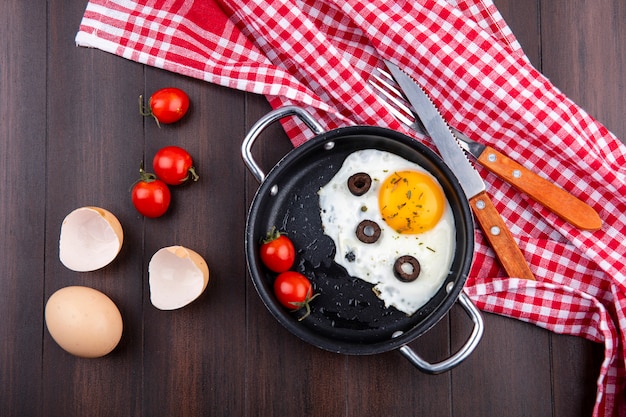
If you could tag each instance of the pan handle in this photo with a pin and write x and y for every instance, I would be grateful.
(263, 123)
(462, 354)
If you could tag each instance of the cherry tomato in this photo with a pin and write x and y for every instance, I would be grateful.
(277, 251)
(151, 196)
(173, 165)
(294, 291)
(167, 105)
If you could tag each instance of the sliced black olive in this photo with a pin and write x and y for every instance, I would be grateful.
(368, 231)
(406, 268)
(359, 183)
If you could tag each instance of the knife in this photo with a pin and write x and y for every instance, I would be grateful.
(496, 231)
(563, 204)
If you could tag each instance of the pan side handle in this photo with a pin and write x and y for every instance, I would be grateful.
(458, 357)
(263, 123)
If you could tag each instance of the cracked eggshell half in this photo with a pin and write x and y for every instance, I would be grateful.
(83, 321)
(177, 276)
(91, 237)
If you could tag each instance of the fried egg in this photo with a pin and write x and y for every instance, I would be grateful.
(392, 226)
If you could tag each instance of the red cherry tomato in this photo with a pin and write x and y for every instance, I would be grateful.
(151, 196)
(173, 165)
(277, 251)
(167, 105)
(294, 291)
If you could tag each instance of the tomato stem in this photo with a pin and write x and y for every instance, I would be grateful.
(271, 235)
(147, 111)
(143, 176)
(306, 304)
(146, 176)
(194, 175)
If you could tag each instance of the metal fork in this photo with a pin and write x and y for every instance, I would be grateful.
(397, 105)
(401, 111)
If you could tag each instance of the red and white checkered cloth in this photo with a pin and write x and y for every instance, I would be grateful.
(320, 54)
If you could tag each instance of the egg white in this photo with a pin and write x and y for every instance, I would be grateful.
(341, 212)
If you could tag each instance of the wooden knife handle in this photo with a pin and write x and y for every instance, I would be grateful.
(556, 199)
(500, 238)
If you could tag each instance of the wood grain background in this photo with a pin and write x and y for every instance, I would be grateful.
(70, 136)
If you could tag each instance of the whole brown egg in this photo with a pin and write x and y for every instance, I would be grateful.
(83, 321)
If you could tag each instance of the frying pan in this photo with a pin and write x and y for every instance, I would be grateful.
(347, 317)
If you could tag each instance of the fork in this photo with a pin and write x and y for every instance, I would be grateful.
(554, 198)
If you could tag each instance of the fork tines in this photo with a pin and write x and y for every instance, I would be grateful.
(395, 99)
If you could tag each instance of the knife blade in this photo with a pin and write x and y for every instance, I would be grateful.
(494, 228)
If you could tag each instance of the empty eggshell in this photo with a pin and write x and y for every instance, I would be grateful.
(177, 276)
(91, 237)
(83, 321)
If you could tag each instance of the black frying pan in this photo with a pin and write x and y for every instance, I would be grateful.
(347, 317)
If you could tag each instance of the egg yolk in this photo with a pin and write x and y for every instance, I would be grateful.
(411, 202)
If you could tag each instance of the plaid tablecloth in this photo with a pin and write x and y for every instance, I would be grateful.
(320, 54)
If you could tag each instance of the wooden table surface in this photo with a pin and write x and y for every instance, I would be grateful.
(71, 135)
